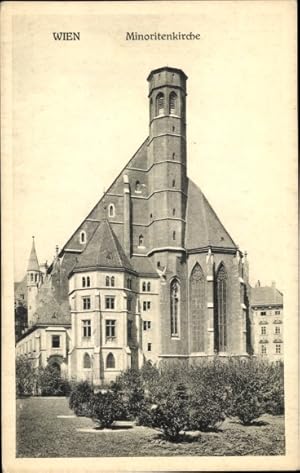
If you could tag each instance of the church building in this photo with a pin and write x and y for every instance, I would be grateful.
(151, 273)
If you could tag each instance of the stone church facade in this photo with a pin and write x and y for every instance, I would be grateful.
(151, 273)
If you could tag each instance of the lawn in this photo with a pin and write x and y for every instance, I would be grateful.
(40, 433)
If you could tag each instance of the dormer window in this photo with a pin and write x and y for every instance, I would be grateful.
(82, 237)
(160, 104)
(111, 210)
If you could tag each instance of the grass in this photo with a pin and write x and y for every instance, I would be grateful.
(41, 434)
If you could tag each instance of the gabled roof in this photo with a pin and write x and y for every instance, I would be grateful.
(103, 251)
(266, 295)
(33, 264)
(203, 227)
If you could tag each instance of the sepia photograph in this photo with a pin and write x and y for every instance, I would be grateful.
(149, 236)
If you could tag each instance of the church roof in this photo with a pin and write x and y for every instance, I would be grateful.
(33, 264)
(103, 251)
(143, 266)
(266, 295)
(203, 227)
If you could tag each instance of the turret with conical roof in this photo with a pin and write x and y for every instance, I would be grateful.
(33, 281)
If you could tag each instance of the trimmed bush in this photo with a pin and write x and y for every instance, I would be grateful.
(50, 382)
(80, 398)
(25, 377)
(106, 408)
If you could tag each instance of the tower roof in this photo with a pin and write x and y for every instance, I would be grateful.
(103, 251)
(33, 264)
(166, 68)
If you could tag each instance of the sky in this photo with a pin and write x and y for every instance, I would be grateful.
(80, 111)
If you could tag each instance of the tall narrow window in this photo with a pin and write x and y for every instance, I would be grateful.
(173, 156)
(86, 303)
(172, 103)
(221, 310)
(148, 286)
(263, 330)
(111, 210)
(197, 308)
(110, 361)
(86, 328)
(175, 297)
(110, 328)
(174, 212)
(141, 240)
(86, 361)
(173, 183)
(88, 281)
(83, 282)
(263, 349)
(278, 349)
(138, 186)
(82, 237)
(112, 281)
(107, 281)
(174, 235)
(144, 286)
(160, 104)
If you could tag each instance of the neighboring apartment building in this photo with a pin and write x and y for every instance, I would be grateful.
(267, 322)
(151, 273)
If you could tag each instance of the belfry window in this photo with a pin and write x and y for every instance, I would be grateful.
(221, 321)
(160, 104)
(175, 298)
(172, 103)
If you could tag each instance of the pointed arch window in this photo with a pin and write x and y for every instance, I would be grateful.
(172, 103)
(160, 104)
(111, 210)
(87, 361)
(197, 308)
(107, 281)
(221, 309)
(175, 301)
(110, 361)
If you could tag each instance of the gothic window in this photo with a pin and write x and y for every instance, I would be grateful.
(111, 210)
(83, 282)
(82, 237)
(221, 309)
(141, 240)
(86, 361)
(107, 281)
(175, 298)
(112, 281)
(110, 361)
(197, 308)
(173, 100)
(160, 104)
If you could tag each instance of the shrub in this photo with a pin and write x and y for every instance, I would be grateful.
(80, 398)
(51, 383)
(129, 386)
(274, 395)
(25, 377)
(105, 407)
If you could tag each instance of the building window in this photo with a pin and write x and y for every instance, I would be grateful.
(147, 325)
(197, 308)
(31, 276)
(277, 330)
(86, 328)
(173, 155)
(111, 210)
(149, 346)
(83, 282)
(107, 281)
(110, 328)
(144, 287)
(129, 303)
(160, 104)
(174, 212)
(112, 281)
(174, 235)
(82, 237)
(109, 302)
(146, 305)
(35, 277)
(138, 188)
(173, 183)
(158, 264)
(278, 349)
(277, 312)
(129, 329)
(175, 297)
(263, 330)
(86, 302)
(110, 361)
(129, 283)
(141, 240)
(263, 313)
(87, 361)
(88, 281)
(263, 350)
(221, 322)
(173, 100)
(55, 341)
(148, 286)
